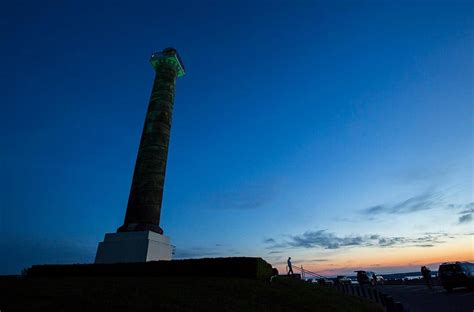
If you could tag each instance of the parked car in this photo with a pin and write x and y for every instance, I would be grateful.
(456, 274)
(325, 281)
(342, 280)
(366, 277)
(379, 279)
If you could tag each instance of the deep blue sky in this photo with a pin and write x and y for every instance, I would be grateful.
(312, 129)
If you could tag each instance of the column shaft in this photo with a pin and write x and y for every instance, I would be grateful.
(146, 193)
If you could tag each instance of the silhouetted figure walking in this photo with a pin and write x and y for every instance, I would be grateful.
(426, 273)
(290, 268)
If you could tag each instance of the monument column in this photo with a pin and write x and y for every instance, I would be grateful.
(146, 193)
(140, 238)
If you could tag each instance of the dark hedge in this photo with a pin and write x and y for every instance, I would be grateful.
(172, 293)
(229, 267)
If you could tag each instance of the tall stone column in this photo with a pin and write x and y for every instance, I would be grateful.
(140, 238)
(146, 193)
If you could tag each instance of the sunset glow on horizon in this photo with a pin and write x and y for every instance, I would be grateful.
(383, 261)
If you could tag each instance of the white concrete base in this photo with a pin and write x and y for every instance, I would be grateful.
(133, 247)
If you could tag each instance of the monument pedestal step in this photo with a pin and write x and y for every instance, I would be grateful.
(134, 247)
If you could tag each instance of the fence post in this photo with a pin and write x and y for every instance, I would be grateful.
(376, 296)
(383, 299)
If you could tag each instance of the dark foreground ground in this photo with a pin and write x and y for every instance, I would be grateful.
(171, 294)
(417, 298)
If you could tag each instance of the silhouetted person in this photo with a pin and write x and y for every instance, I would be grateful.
(290, 268)
(426, 273)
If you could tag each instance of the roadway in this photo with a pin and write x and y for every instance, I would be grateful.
(418, 298)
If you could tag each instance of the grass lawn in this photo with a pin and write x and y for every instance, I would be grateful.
(171, 294)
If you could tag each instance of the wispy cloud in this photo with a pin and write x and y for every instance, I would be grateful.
(469, 208)
(390, 241)
(425, 201)
(465, 208)
(467, 218)
(465, 213)
(324, 239)
(327, 240)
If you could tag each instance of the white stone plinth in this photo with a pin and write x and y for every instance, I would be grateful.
(133, 247)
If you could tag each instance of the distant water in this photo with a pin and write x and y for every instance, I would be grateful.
(409, 276)
(414, 277)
